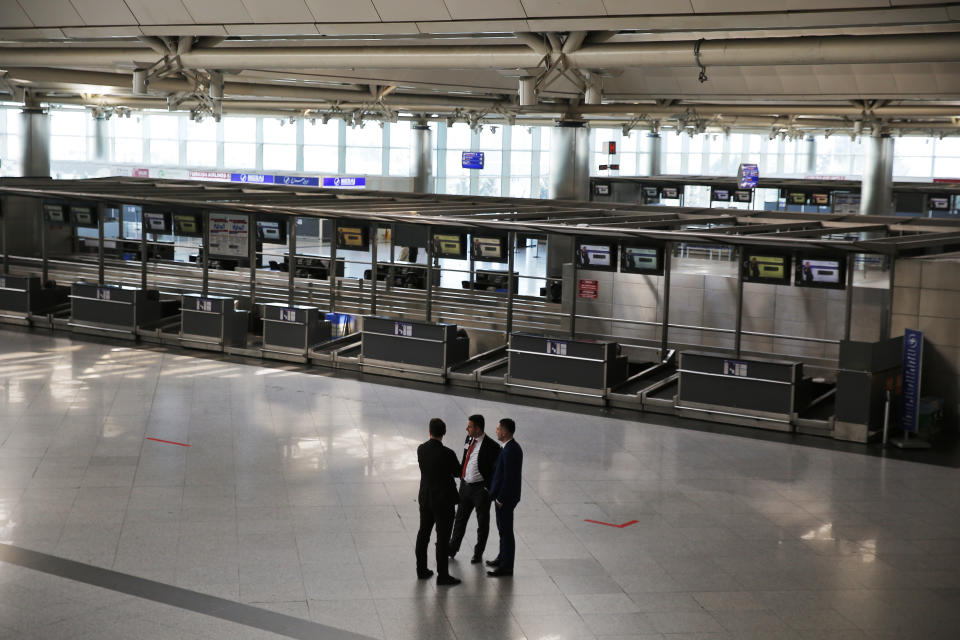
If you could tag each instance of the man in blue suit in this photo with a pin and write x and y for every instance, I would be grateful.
(505, 491)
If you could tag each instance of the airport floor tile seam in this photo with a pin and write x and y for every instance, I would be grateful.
(297, 495)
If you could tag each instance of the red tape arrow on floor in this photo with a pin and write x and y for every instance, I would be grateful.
(179, 444)
(610, 524)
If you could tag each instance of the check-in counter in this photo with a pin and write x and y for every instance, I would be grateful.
(411, 348)
(866, 371)
(289, 332)
(117, 310)
(21, 296)
(212, 322)
(756, 392)
(579, 370)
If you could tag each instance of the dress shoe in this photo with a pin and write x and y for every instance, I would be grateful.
(500, 573)
(476, 559)
(423, 575)
(493, 563)
(447, 580)
(451, 554)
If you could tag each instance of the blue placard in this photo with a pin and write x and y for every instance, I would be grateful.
(556, 347)
(252, 178)
(300, 181)
(345, 182)
(748, 175)
(912, 364)
(472, 160)
(404, 329)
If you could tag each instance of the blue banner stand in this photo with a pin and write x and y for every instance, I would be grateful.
(912, 367)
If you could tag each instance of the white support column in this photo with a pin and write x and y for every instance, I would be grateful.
(422, 157)
(570, 166)
(876, 190)
(35, 141)
(100, 142)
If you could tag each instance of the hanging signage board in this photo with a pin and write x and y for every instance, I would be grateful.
(912, 364)
(229, 235)
(343, 182)
(748, 175)
(471, 160)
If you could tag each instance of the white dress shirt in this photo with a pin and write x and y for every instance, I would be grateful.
(472, 473)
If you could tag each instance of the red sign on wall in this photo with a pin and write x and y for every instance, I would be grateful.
(588, 289)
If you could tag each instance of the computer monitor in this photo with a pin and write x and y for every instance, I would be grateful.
(796, 198)
(720, 195)
(156, 222)
(670, 193)
(83, 216)
(743, 195)
(820, 271)
(637, 259)
(55, 213)
(187, 224)
(485, 248)
(450, 245)
(940, 203)
(596, 255)
(353, 237)
(767, 267)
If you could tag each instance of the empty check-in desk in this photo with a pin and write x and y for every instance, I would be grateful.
(22, 296)
(290, 332)
(581, 370)
(212, 322)
(117, 310)
(411, 348)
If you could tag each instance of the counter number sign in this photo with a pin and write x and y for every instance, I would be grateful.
(735, 368)
(404, 329)
(556, 348)
(204, 305)
(288, 315)
(103, 294)
(912, 364)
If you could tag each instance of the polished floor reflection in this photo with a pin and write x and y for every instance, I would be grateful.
(297, 494)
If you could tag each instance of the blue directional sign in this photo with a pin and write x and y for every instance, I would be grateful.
(472, 160)
(912, 365)
(345, 182)
(748, 176)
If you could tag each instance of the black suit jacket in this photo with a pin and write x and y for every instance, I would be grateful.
(489, 451)
(505, 487)
(438, 470)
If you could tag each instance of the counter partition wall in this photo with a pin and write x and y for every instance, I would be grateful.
(647, 280)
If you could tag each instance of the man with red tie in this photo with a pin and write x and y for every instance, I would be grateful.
(480, 453)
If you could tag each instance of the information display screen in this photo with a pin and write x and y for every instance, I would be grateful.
(827, 272)
(940, 203)
(601, 189)
(651, 194)
(271, 231)
(186, 224)
(83, 216)
(353, 238)
(766, 267)
(449, 245)
(156, 222)
(796, 198)
(54, 213)
(489, 248)
(743, 195)
(720, 195)
(648, 260)
(670, 193)
(820, 199)
(596, 255)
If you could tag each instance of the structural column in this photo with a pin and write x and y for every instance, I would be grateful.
(811, 145)
(570, 167)
(876, 190)
(100, 151)
(35, 138)
(655, 149)
(422, 158)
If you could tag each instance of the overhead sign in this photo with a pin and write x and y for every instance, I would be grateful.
(748, 175)
(912, 364)
(252, 178)
(345, 182)
(472, 160)
(302, 181)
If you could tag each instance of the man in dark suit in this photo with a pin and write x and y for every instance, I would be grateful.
(480, 453)
(505, 491)
(437, 498)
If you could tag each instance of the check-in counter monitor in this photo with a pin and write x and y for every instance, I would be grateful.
(757, 392)
(294, 329)
(392, 347)
(21, 296)
(212, 321)
(586, 368)
(116, 309)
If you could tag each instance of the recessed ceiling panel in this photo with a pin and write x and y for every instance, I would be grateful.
(11, 16)
(168, 12)
(336, 11)
(488, 9)
(277, 11)
(552, 8)
(646, 7)
(411, 10)
(738, 6)
(50, 13)
(807, 5)
(103, 12)
(217, 11)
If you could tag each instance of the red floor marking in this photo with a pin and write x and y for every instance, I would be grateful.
(610, 524)
(179, 444)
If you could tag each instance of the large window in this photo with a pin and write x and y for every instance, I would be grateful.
(521, 162)
(364, 149)
(240, 142)
(201, 140)
(321, 146)
(127, 138)
(68, 134)
(164, 132)
(490, 142)
(279, 145)
(401, 142)
(9, 142)
(459, 139)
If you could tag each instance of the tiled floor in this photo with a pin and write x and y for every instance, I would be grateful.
(297, 495)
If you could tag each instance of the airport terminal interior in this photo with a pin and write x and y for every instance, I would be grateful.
(706, 255)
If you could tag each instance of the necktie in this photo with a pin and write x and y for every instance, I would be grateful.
(466, 458)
